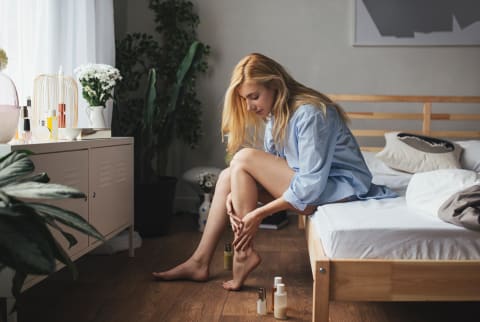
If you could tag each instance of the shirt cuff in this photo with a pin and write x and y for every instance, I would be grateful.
(290, 197)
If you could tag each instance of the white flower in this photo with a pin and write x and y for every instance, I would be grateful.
(207, 181)
(3, 59)
(98, 81)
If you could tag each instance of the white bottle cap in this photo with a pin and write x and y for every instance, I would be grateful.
(281, 288)
(277, 280)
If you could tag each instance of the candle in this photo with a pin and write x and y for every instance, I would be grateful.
(60, 85)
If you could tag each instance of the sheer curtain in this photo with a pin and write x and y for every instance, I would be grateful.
(39, 36)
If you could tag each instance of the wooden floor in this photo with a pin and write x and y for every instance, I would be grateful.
(117, 288)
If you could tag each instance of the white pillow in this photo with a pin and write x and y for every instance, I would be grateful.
(378, 167)
(471, 154)
(384, 175)
(427, 191)
(416, 153)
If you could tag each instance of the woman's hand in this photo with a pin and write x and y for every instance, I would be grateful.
(250, 224)
(235, 221)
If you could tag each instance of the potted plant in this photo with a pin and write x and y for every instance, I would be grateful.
(156, 103)
(26, 242)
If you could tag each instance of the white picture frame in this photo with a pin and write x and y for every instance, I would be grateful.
(396, 23)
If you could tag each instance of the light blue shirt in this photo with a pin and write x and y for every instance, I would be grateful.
(326, 159)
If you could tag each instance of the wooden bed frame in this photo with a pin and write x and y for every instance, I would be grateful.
(394, 280)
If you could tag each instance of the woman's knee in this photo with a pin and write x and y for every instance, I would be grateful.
(223, 180)
(242, 158)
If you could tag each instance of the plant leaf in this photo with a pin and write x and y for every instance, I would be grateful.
(38, 190)
(66, 217)
(41, 177)
(18, 280)
(150, 100)
(72, 241)
(183, 69)
(13, 166)
(63, 257)
(23, 246)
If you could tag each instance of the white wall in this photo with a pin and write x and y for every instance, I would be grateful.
(313, 40)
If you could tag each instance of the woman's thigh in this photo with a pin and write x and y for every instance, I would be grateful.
(271, 172)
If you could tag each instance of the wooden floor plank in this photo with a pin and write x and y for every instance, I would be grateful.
(117, 288)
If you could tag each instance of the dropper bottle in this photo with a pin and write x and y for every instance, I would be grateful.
(26, 134)
(276, 280)
(52, 124)
(280, 311)
(262, 302)
(228, 257)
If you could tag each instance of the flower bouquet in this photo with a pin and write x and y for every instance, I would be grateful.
(98, 81)
(207, 181)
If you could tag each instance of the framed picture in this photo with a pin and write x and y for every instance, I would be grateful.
(417, 23)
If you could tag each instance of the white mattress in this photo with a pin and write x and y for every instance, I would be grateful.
(388, 229)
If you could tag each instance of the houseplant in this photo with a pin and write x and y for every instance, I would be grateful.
(26, 243)
(156, 103)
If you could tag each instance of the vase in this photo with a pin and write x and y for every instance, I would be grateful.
(95, 117)
(9, 108)
(203, 211)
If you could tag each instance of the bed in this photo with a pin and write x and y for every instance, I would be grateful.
(349, 266)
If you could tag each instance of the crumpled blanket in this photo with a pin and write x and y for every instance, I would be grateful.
(463, 208)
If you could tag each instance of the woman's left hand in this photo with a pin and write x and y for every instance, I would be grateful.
(251, 221)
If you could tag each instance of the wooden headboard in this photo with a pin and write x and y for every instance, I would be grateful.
(426, 115)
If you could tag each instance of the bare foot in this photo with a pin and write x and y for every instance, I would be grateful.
(188, 270)
(243, 264)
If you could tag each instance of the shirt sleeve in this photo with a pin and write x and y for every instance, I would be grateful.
(315, 139)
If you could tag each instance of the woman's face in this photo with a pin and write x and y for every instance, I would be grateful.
(259, 98)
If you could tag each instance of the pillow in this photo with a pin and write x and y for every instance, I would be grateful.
(378, 167)
(384, 175)
(417, 153)
(471, 154)
(427, 191)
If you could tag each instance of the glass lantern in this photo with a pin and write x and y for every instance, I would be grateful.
(9, 108)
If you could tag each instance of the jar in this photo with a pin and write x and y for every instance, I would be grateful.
(9, 108)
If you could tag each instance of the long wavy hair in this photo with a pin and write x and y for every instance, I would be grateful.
(243, 127)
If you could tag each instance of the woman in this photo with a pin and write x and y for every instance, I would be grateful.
(311, 158)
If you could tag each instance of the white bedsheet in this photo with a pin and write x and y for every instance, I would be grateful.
(388, 229)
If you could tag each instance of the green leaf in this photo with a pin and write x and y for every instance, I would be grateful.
(41, 177)
(63, 257)
(23, 245)
(38, 190)
(13, 166)
(18, 280)
(150, 100)
(67, 218)
(72, 241)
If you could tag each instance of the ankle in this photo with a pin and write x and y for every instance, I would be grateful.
(242, 255)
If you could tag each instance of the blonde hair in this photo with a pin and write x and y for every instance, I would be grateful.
(243, 127)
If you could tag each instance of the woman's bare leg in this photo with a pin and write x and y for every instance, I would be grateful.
(244, 198)
(197, 266)
(248, 167)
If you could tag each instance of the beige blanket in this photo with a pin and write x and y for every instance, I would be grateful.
(463, 208)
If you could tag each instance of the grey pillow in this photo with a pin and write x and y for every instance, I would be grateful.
(418, 153)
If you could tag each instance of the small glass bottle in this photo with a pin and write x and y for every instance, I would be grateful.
(280, 311)
(276, 280)
(228, 257)
(262, 302)
(52, 124)
(26, 134)
(41, 132)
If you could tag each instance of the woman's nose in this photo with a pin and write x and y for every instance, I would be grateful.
(250, 106)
